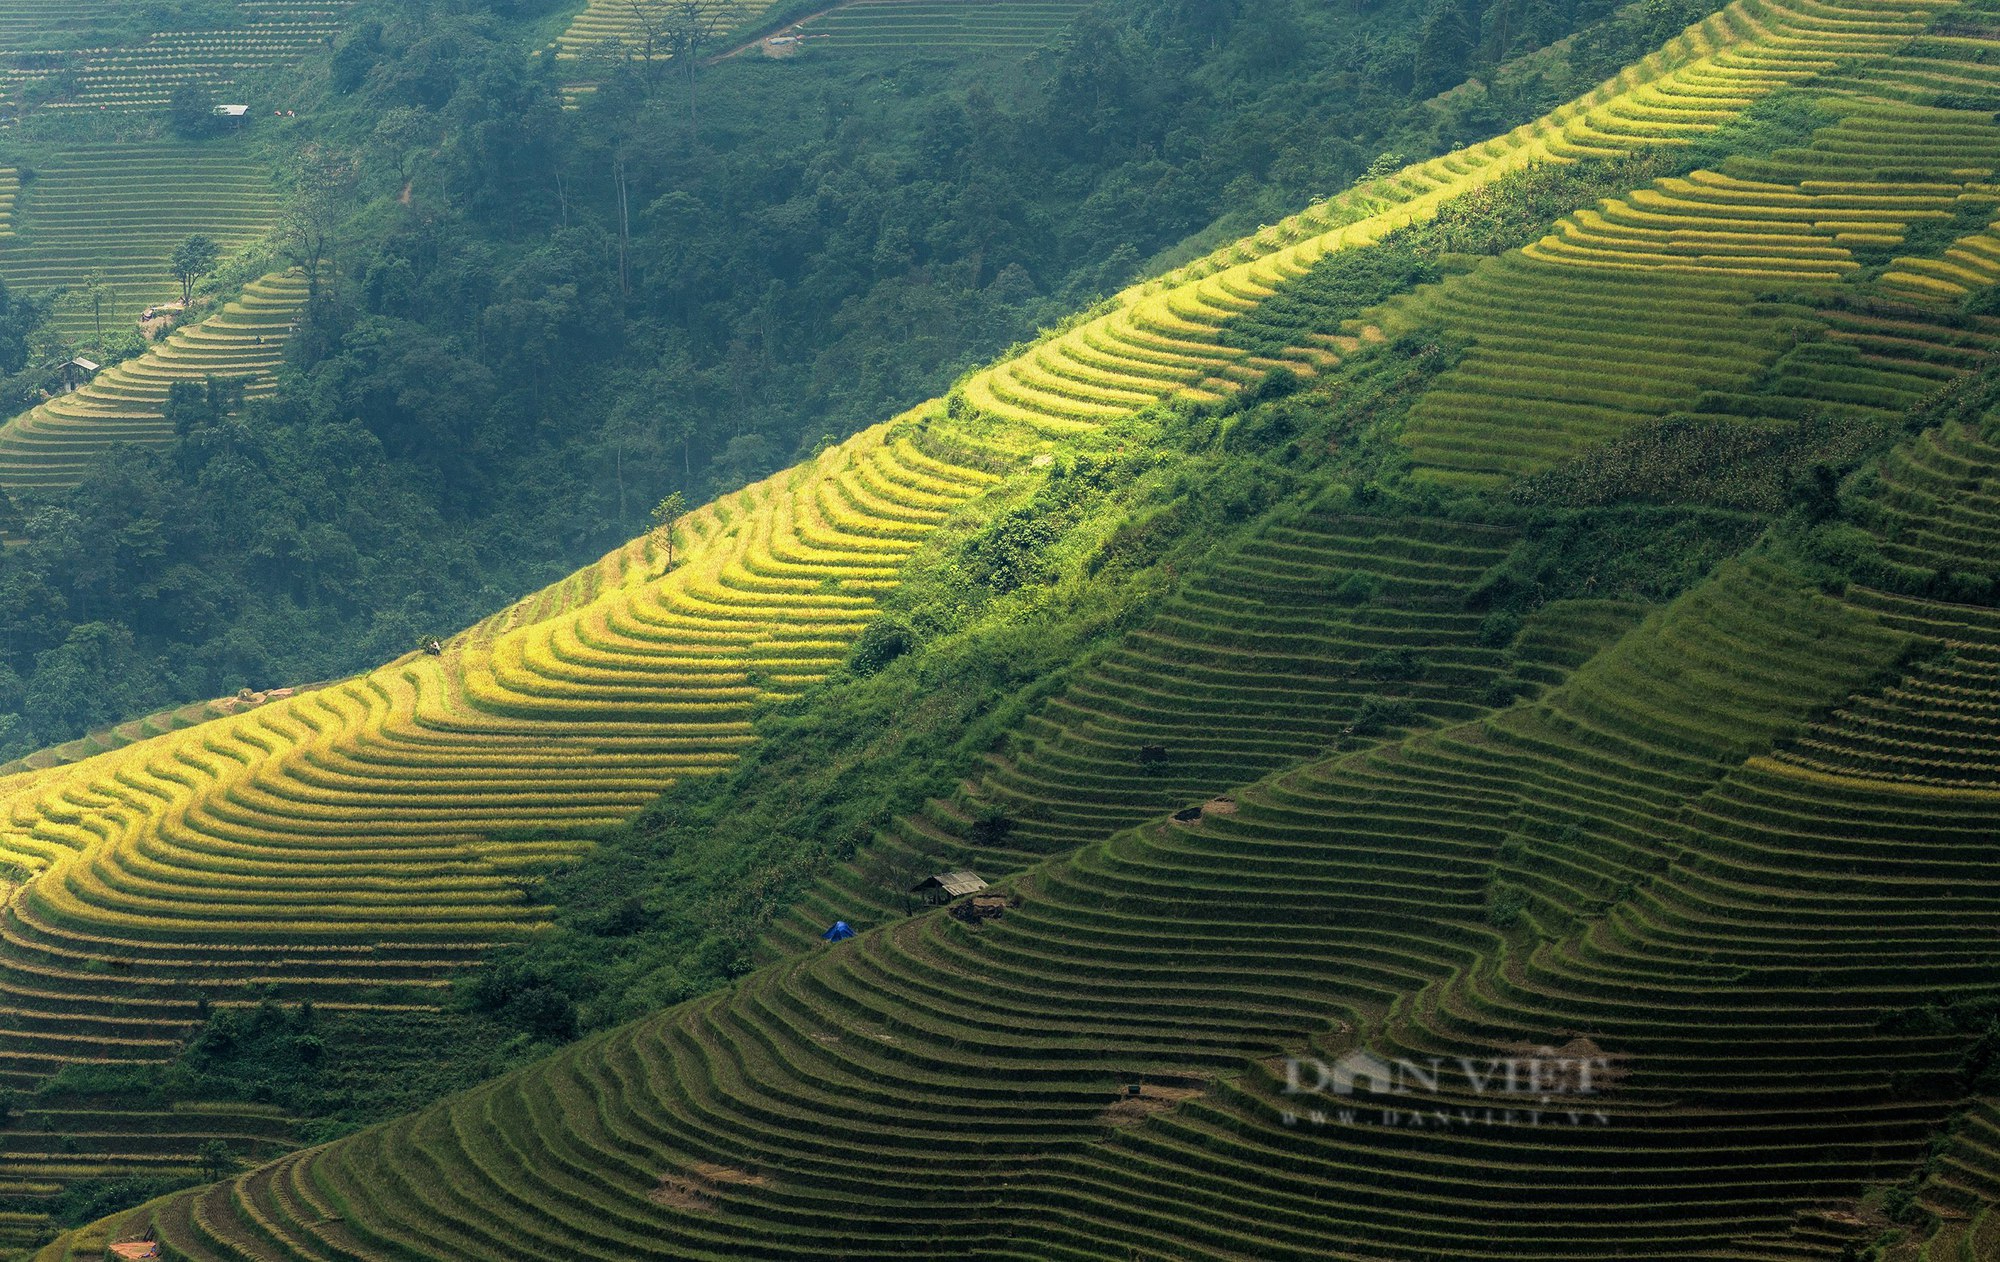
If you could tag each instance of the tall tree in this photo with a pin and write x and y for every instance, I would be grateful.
(666, 515)
(21, 315)
(1444, 47)
(191, 260)
(98, 290)
(306, 231)
(688, 28)
(198, 413)
(651, 19)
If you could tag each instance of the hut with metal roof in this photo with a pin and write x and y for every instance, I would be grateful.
(943, 887)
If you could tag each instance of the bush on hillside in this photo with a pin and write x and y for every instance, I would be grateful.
(191, 111)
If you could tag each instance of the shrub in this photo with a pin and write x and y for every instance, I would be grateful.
(1393, 663)
(1506, 906)
(87, 1200)
(1355, 588)
(1498, 629)
(990, 826)
(1011, 553)
(1276, 384)
(190, 111)
(880, 643)
(1377, 714)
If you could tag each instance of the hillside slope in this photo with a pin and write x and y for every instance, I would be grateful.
(568, 712)
(937, 1090)
(1720, 898)
(940, 1087)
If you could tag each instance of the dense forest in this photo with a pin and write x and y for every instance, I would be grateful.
(534, 322)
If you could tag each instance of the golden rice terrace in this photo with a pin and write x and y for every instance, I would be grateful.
(1330, 915)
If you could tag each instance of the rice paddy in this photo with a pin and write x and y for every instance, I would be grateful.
(142, 72)
(962, 1082)
(636, 28)
(1687, 849)
(51, 446)
(935, 26)
(115, 212)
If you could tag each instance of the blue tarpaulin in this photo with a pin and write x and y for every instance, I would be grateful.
(839, 933)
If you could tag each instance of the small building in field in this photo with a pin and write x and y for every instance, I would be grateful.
(235, 113)
(76, 373)
(945, 886)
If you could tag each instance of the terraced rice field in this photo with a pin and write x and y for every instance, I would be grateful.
(943, 25)
(1964, 1188)
(28, 23)
(1560, 361)
(67, 1141)
(51, 446)
(375, 832)
(143, 75)
(1162, 337)
(1798, 216)
(1676, 275)
(133, 730)
(119, 210)
(358, 843)
(626, 25)
(933, 1090)
(635, 681)
(942, 1087)
(1251, 668)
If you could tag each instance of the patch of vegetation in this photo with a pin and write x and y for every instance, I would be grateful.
(1000, 608)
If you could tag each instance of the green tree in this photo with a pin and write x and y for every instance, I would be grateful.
(216, 1159)
(198, 413)
(191, 260)
(306, 235)
(666, 515)
(78, 685)
(190, 112)
(689, 27)
(21, 316)
(97, 291)
(1444, 45)
(630, 439)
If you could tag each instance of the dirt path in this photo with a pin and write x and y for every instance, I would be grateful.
(789, 28)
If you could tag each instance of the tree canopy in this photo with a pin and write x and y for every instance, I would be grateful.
(191, 260)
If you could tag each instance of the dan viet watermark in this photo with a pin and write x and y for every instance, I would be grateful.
(1545, 1087)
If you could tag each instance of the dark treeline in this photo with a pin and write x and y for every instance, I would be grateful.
(534, 322)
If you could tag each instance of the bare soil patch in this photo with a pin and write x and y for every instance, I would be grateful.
(698, 1188)
(1131, 1110)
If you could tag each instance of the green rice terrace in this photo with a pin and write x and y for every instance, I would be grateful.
(118, 55)
(115, 212)
(941, 25)
(53, 445)
(95, 218)
(1520, 782)
(640, 28)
